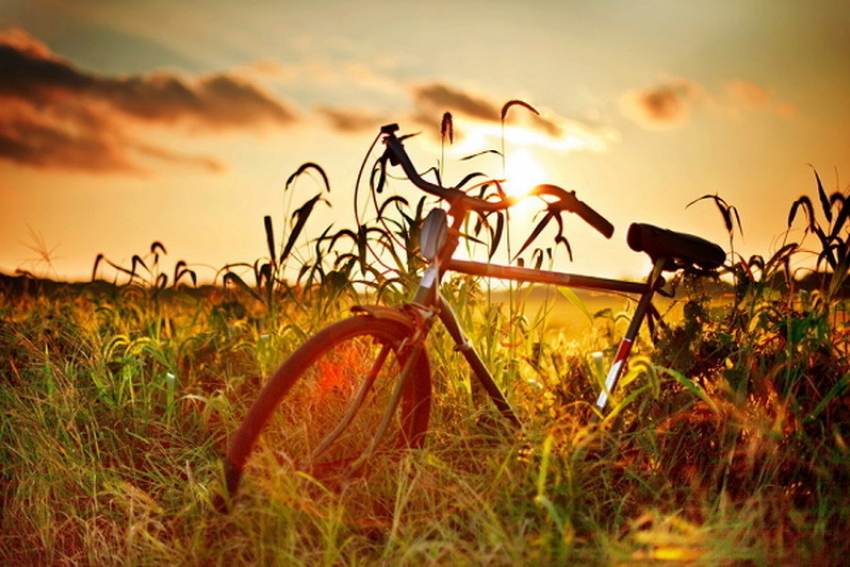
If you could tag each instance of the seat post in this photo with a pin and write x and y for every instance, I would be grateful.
(625, 347)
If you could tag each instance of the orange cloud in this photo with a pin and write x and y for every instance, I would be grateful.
(51, 136)
(748, 95)
(54, 115)
(664, 106)
(671, 104)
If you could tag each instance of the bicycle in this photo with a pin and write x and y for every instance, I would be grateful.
(361, 387)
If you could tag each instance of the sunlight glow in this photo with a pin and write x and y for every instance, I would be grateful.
(480, 136)
(522, 172)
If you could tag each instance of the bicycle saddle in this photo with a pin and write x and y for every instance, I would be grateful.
(680, 249)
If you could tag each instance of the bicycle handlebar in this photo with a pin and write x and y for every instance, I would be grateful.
(565, 200)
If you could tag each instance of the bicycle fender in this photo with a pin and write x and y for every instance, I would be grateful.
(386, 313)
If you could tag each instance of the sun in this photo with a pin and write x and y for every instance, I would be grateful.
(522, 172)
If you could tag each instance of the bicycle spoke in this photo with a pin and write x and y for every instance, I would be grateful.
(362, 392)
(390, 409)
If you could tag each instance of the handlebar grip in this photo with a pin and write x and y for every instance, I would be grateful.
(594, 219)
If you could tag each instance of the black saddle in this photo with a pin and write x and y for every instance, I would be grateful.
(679, 249)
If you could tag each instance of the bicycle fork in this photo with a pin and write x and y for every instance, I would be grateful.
(413, 351)
(395, 398)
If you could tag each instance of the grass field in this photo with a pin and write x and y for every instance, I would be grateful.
(726, 445)
(116, 406)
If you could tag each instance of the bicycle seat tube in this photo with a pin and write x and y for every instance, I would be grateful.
(625, 348)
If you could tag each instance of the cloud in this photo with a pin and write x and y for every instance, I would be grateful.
(20, 40)
(746, 95)
(351, 120)
(443, 98)
(54, 115)
(483, 114)
(664, 106)
(215, 102)
(671, 104)
(71, 137)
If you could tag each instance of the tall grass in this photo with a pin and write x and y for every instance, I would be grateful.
(726, 445)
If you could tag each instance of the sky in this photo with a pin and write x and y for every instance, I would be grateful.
(124, 122)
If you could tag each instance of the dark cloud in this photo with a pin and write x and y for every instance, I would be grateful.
(55, 115)
(432, 100)
(443, 98)
(350, 120)
(215, 102)
(68, 137)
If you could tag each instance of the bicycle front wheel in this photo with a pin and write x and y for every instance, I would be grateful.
(321, 409)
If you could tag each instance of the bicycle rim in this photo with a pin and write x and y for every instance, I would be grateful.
(320, 411)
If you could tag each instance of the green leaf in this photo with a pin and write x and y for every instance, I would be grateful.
(692, 387)
(615, 411)
(573, 298)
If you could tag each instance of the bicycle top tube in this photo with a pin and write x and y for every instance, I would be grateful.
(563, 200)
(547, 277)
